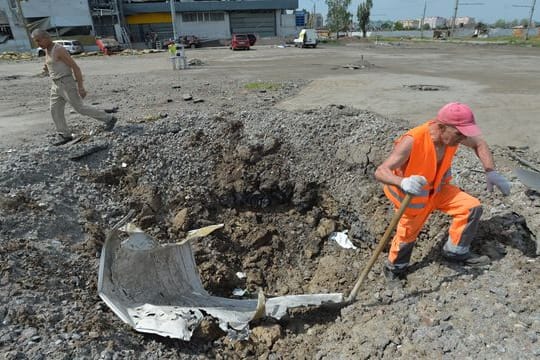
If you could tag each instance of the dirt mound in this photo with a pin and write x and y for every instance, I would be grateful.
(281, 182)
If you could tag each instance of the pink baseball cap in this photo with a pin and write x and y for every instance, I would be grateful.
(461, 117)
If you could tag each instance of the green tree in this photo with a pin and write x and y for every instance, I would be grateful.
(387, 25)
(426, 27)
(398, 26)
(338, 17)
(514, 22)
(500, 24)
(524, 22)
(363, 12)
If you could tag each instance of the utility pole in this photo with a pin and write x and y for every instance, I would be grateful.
(526, 33)
(530, 20)
(454, 18)
(173, 18)
(455, 14)
(312, 17)
(422, 21)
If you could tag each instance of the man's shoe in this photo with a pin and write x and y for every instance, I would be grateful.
(470, 258)
(61, 139)
(109, 124)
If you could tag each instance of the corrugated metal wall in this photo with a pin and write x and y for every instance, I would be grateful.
(262, 22)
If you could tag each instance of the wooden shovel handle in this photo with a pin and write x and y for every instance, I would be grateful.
(380, 247)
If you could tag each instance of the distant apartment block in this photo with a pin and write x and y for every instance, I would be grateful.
(410, 24)
(435, 22)
(463, 22)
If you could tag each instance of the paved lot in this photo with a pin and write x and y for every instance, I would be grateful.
(499, 82)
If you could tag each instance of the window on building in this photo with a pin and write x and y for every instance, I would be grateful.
(217, 16)
(189, 17)
(203, 16)
(5, 30)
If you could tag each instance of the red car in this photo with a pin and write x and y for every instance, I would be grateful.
(239, 41)
(108, 46)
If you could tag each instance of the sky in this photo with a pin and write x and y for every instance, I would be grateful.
(489, 12)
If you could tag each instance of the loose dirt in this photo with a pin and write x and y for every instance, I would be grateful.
(281, 172)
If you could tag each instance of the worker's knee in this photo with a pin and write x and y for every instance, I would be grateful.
(475, 213)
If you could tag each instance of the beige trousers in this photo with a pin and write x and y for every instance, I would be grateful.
(65, 90)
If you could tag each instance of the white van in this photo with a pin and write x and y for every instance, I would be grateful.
(307, 38)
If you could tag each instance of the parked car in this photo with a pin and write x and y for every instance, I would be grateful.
(252, 39)
(72, 46)
(190, 41)
(239, 41)
(108, 46)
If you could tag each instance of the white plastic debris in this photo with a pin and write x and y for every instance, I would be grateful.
(124, 165)
(239, 292)
(241, 275)
(342, 239)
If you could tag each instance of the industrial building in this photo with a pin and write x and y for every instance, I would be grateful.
(133, 20)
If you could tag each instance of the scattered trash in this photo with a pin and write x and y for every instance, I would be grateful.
(239, 292)
(241, 275)
(342, 239)
(12, 55)
(157, 289)
(187, 97)
(529, 178)
(195, 62)
(196, 101)
(154, 117)
(124, 165)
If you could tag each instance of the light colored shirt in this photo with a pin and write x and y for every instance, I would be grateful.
(57, 69)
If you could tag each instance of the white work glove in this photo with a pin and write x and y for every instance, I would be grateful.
(494, 178)
(413, 184)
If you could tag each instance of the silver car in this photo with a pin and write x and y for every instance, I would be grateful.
(72, 46)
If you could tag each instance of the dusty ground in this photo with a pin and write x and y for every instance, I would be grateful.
(281, 167)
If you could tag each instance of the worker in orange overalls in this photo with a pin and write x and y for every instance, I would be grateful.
(420, 164)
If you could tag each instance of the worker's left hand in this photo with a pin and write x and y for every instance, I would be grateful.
(494, 178)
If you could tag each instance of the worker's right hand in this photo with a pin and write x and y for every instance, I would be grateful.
(413, 184)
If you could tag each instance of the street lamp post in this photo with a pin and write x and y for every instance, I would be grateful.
(526, 33)
(173, 18)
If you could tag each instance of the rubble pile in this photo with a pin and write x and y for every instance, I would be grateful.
(281, 183)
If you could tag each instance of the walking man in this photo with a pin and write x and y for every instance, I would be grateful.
(420, 164)
(67, 86)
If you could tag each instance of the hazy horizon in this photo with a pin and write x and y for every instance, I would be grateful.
(489, 12)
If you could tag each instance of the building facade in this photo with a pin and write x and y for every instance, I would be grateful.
(463, 22)
(134, 20)
(435, 22)
(410, 24)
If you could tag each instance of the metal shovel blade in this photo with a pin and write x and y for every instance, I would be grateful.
(529, 178)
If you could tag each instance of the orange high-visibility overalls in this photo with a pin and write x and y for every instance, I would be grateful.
(437, 194)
